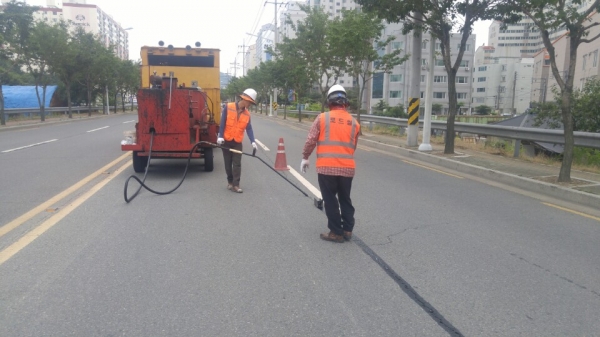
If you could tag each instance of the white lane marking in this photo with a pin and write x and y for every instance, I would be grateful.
(129, 122)
(305, 182)
(104, 127)
(32, 145)
(262, 145)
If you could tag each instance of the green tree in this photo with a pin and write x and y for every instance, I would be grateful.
(129, 80)
(483, 110)
(436, 108)
(441, 18)
(37, 54)
(65, 62)
(358, 40)
(313, 45)
(550, 16)
(16, 24)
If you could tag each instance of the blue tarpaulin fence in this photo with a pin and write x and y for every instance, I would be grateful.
(19, 97)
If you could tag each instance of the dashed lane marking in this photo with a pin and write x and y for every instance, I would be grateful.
(28, 146)
(262, 145)
(104, 127)
(305, 182)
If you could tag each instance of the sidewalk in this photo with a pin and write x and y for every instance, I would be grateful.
(584, 188)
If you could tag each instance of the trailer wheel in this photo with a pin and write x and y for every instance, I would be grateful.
(208, 159)
(139, 162)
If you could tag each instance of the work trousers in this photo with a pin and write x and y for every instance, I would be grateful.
(338, 205)
(233, 162)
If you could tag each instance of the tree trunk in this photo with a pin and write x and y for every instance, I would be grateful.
(68, 89)
(2, 118)
(567, 119)
(449, 146)
(89, 101)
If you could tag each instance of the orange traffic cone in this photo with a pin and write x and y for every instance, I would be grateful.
(280, 162)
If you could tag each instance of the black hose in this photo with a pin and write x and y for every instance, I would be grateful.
(253, 154)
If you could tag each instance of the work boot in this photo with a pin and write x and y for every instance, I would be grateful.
(236, 189)
(347, 235)
(229, 186)
(331, 236)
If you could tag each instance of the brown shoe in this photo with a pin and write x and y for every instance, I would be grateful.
(331, 236)
(236, 189)
(229, 186)
(347, 235)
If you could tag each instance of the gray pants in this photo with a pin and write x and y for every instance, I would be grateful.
(233, 162)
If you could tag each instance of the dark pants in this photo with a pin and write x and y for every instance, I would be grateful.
(233, 162)
(336, 195)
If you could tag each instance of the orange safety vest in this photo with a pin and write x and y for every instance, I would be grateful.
(235, 125)
(337, 139)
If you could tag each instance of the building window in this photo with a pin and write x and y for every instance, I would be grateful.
(461, 79)
(423, 62)
(440, 79)
(461, 95)
(439, 63)
(504, 67)
(438, 46)
(377, 85)
(480, 79)
(397, 45)
(464, 63)
(584, 62)
(484, 68)
(395, 94)
(422, 78)
(439, 95)
(480, 89)
(502, 89)
(424, 45)
(396, 78)
(503, 78)
(595, 60)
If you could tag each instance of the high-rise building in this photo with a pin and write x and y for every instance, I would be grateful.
(91, 18)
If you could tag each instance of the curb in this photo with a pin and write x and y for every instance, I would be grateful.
(38, 123)
(523, 183)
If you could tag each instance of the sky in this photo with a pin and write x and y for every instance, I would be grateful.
(219, 24)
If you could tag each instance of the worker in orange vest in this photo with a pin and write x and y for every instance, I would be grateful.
(335, 134)
(235, 119)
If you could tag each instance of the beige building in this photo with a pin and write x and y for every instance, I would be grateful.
(91, 18)
(586, 67)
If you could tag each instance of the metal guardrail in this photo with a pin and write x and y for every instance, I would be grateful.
(584, 139)
(75, 109)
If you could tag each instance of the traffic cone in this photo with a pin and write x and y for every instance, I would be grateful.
(280, 162)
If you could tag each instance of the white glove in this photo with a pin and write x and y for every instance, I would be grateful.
(304, 165)
(254, 145)
(220, 141)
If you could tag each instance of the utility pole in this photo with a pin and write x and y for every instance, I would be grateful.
(514, 111)
(415, 87)
(425, 145)
(234, 64)
(243, 58)
(274, 99)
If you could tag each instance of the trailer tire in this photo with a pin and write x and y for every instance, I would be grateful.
(208, 159)
(139, 162)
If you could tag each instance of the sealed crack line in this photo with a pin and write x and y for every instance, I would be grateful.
(409, 290)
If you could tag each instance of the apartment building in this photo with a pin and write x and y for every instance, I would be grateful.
(91, 18)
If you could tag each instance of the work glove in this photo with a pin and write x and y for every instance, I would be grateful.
(220, 141)
(304, 165)
(254, 145)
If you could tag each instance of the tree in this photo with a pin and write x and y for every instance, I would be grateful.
(313, 45)
(440, 18)
(550, 16)
(65, 62)
(16, 24)
(129, 80)
(358, 39)
(483, 110)
(436, 108)
(37, 54)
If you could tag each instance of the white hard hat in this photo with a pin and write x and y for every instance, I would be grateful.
(336, 88)
(249, 95)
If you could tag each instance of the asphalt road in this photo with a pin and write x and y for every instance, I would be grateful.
(435, 253)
